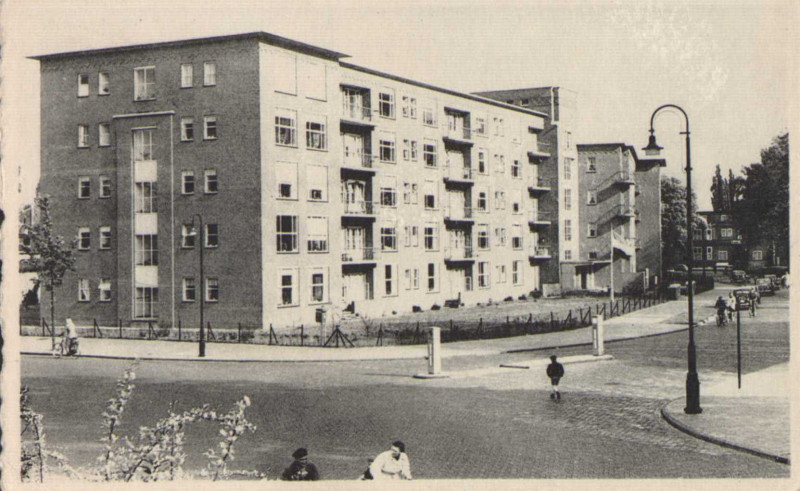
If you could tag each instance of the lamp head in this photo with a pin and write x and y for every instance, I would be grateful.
(652, 147)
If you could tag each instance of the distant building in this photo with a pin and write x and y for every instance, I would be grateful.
(322, 186)
(718, 246)
(620, 221)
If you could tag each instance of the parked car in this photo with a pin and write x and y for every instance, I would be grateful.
(738, 276)
(765, 287)
(776, 282)
(742, 298)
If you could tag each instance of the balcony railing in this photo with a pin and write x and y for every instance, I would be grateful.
(541, 252)
(367, 253)
(459, 133)
(625, 210)
(624, 177)
(354, 162)
(357, 112)
(458, 173)
(540, 184)
(359, 208)
(458, 213)
(539, 152)
(458, 253)
(540, 217)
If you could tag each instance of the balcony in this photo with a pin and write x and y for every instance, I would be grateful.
(356, 163)
(459, 254)
(458, 215)
(624, 178)
(626, 245)
(357, 115)
(365, 255)
(539, 185)
(458, 175)
(540, 153)
(624, 211)
(458, 135)
(359, 209)
(540, 253)
(539, 219)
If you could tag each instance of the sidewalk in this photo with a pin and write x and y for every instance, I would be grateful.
(659, 319)
(754, 419)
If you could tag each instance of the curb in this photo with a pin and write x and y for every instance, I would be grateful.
(217, 360)
(718, 441)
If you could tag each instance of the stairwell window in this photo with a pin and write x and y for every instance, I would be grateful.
(84, 239)
(104, 135)
(210, 128)
(429, 153)
(84, 290)
(144, 83)
(187, 236)
(591, 198)
(84, 187)
(209, 74)
(83, 136)
(187, 129)
(212, 289)
(431, 236)
(105, 238)
(211, 183)
(591, 164)
(83, 85)
(189, 289)
(386, 104)
(104, 290)
(103, 83)
(517, 268)
(433, 280)
(105, 187)
(146, 250)
(483, 274)
(592, 230)
(390, 279)
(212, 236)
(187, 76)
(187, 183)
(568, 230)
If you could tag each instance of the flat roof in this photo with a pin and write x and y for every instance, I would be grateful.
(265, 37)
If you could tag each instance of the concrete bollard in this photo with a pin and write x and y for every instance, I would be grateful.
(434, 355)
(597, 336)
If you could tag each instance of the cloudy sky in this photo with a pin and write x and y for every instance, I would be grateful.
(726, 63)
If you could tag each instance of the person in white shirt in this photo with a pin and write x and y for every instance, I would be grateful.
(391, 464)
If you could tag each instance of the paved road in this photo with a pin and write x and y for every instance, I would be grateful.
(477, 426)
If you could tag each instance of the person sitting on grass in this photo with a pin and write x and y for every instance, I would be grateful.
(301, 469)
(391, 464)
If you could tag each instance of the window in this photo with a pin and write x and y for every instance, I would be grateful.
(104, 134)
(407, 193)
(568, 255)
(482, 169)
(105, 187)
(432, 277)
(592, 230)
(316, 138)
(431, 236)
(187, 182)
(144, 83)
(411, 236)
(145, 302)
(187, 129)
(187, 76)
(524, 102)
(212, 290)
(501, 273)
(758, 255)
(591, 164)
(483, 274)
(386, 147)
(84, 292)
(483, 236)
(480, 125)
(104, 290)
(516, 201)
(83, 136)
(591, 198)
(429, 153)
(187, 236)
(84, 239)
(84, 187)
(211, 185)
(429, 195)
(429, 114)
(567, 168)
(710, 234)
(83, 85)
(722, 255)
(285, 127)
(146, 250)
(209, 128)
(500, 236)
(189, 290)
(105, 237)
(406, 149)
(212, 236)
(286, 233)
(286, 177)
(288, 278)
(386, 104)
(409, 107)
(318, 290)
(317, 178)
(104, 87)
(517, 272)
(567, 230)
(317, 234)
(142, 145)
(389, 237)
(516, 170)
(709, 253)
(390, 279)
(209, 74)
(593, 255)
(483, 201)
(697, 252)
(388, 194)
(499, 163)
(727, 232)
(414, 151)
(516, 236)
(500, 200)
(567, 198)
(146, 197)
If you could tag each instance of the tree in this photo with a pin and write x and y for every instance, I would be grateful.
(673, 222)
(719, 191)
(49, 255)
(735, 189)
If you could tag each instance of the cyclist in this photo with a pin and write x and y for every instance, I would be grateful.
(71, 338)
(722, 307)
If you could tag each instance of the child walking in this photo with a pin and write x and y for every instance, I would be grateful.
(555, 371)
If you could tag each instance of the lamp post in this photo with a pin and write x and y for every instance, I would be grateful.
(692, 381)
(200, 244)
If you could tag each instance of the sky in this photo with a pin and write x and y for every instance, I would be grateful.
(726, 63)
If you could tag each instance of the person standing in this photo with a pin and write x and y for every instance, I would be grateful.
(555, 371)
(391, 464)
(301, 469)
(71, 333)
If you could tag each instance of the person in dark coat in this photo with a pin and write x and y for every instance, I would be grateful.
(301, 469)
(555, 371)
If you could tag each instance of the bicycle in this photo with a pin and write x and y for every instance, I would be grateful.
(65, 347)
(722, 319)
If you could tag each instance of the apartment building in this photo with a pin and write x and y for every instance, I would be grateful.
(556, 219)
(619, 227)
(718, 244)
(307, 186)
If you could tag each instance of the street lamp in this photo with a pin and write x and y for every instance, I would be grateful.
(194, 233)
(692, 381)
